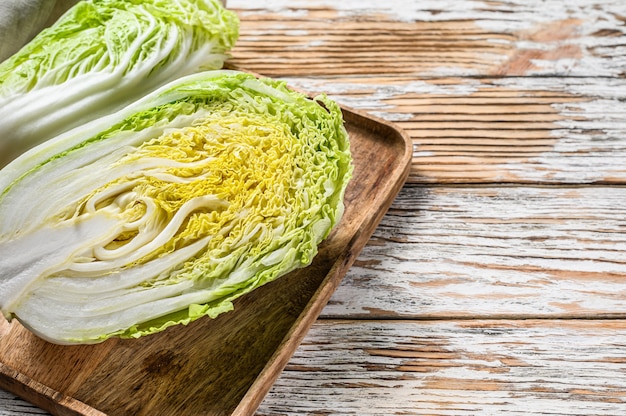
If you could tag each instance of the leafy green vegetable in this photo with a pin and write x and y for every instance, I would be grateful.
(169, 209)
(102, 55)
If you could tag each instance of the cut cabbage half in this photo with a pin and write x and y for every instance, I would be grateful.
(169, 209)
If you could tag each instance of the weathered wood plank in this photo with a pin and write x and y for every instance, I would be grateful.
(536, 367)
(523, 367)
(487, 130)
(469, 130)
(10, 405)
(541, 101)
(431, 38)
(492, 252)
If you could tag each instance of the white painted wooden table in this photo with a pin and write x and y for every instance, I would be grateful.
(496, 284)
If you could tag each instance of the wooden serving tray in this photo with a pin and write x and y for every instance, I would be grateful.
(222, 366)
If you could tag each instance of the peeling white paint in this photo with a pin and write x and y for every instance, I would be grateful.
(591, 131)
(294, 32)
(343, 91)
(599, 55)
(525, 368)
(392, 116)
(484, 251)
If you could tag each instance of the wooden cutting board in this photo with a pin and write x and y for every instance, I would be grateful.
(222, 366)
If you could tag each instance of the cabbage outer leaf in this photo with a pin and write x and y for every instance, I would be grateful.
(169, 209)
(102, 55)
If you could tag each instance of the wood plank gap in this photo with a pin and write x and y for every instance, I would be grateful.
(327, 318)
(529, 184)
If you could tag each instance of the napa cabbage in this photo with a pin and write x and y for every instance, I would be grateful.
(102, 55)
(168, 210)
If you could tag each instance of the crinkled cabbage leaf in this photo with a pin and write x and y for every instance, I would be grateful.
(102, 55)
(169, 209)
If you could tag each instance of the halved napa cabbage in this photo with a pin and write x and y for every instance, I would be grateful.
(169, 209)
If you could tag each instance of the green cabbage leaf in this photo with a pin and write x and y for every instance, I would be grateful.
(102, 55)
(169, 209)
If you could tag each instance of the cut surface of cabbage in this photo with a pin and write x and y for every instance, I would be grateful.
(169, 209)
(102, 55)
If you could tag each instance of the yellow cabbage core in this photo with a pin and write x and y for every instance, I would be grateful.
(230, 178)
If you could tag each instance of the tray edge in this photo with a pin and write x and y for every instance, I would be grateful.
(261, 386)
(43, 396)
